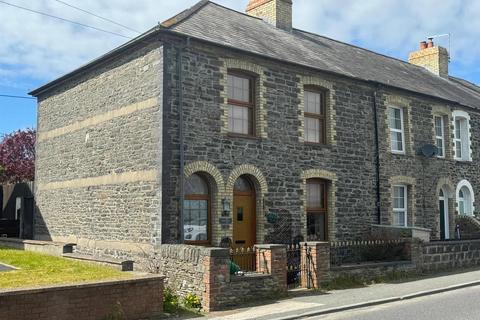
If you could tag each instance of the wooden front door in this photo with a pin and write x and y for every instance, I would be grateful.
(244, 217)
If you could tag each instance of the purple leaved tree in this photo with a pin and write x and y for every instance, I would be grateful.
(17, 156)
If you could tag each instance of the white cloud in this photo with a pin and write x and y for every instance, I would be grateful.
(42, 48)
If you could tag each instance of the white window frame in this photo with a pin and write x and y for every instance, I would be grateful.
(468, 201)
(402, 130)
(403, 210)
(442, 136)
(465, 138)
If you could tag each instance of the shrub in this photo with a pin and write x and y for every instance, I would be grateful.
(192, 301)
(170, 301)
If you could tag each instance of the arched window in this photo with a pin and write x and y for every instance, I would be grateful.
(196, 210)
(465, 198)
(317, 210)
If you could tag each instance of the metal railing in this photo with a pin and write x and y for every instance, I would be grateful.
(245, 258)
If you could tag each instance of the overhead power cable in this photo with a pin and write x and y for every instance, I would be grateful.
(15, 97)
(96, 15)
(64, 20)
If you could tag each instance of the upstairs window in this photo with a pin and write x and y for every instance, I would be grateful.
(440, 136)
(400, 206)
(461, 137)
(397, 130)
(315, 115)
(241, 103)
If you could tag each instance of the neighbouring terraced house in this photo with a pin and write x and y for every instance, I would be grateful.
(221, 128)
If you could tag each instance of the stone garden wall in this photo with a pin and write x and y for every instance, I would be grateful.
(205, 272)
(136, 299)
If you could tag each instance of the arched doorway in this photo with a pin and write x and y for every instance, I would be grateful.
(444, 221)
(244, 213)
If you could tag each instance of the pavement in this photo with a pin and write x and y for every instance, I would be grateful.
(303, 304)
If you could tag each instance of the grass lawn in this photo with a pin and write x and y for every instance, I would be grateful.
(36, 269)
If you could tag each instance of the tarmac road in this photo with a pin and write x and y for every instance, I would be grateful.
(462, 304)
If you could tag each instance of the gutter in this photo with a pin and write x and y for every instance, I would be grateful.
(377, 154)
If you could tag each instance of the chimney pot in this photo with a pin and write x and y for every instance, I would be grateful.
(430, 43)
(423, 45)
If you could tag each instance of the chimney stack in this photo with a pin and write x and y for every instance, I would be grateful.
(435, 59)
(276, 12)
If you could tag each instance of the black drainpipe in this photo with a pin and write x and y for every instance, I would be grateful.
(377, 154)
(180, 50)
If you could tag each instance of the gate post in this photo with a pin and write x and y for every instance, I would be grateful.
(315, 263)
(272, 259)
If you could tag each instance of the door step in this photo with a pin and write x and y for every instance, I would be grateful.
(122, 265)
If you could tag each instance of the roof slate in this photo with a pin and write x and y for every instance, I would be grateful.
(226, 27)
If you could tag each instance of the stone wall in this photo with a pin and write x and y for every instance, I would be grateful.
(448, 255)
(94, 301)
(205, 272)
(98, 156)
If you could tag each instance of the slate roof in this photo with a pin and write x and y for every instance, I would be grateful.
(218, 24)
(214, 23)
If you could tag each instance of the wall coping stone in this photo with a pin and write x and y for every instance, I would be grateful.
(401, 227)
(315, 243)
(249, 277)
(90, 284)
(270, 246)
(452, 242)
(371, 265)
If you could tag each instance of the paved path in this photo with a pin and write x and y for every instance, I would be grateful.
(308, 304)
(460, 304)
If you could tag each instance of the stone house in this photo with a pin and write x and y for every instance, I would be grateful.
(223, 128)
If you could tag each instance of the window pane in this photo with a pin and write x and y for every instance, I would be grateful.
(312, 130)
(316, 223)
(458, 129)
(195, 222)
(239, 88)
(440, 147)
(240, 120)
(397, 141)
(242, 185)
(315, 195)
(439, 126)
(313, 102)
(399, 197)
(195, 185)
(458, 149)
(395, 118)
(399, 219)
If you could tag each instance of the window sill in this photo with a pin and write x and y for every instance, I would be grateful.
(463, 160)
(244, 136)
(317, 145)
(399, 153)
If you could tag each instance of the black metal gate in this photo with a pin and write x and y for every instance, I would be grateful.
(296, 268)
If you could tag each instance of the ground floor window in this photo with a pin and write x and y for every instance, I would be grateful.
(317, 219)
(400, 206)
(196, 210)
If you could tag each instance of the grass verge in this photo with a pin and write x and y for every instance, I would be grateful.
(36, 270)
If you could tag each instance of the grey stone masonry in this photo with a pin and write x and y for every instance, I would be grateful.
(98, 156)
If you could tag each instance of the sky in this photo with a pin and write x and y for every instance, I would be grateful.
(36, 49)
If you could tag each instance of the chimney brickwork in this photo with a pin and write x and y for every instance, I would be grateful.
(276, 12)
(435, 59)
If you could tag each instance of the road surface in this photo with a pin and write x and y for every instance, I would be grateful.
(460, 304)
